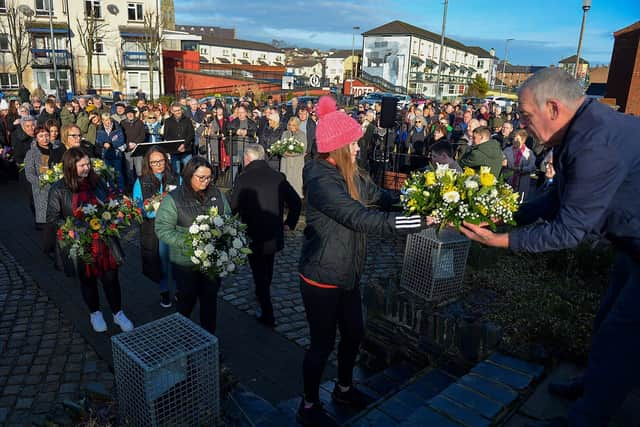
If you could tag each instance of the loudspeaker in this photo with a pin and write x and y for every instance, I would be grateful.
(388, 112)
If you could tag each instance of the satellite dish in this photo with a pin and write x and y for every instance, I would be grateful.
(26, 10)
(113, 9)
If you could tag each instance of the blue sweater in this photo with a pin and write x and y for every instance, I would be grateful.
(596, 188)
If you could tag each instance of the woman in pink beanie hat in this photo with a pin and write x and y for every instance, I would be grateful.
(339, 211)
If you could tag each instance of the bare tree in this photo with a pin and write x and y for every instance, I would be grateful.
(19, 41)
(117, 70)
(151, 42)
(90, 31)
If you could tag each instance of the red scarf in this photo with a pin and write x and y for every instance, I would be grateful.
(102, 256)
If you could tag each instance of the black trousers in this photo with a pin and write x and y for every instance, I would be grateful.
(262, 269)
(110, 284)
(191, 286)
(328, 309)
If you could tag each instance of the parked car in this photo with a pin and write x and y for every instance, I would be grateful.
(403, 100)
(499, 100)
(373, 98)
(228, 100)
(302, 100)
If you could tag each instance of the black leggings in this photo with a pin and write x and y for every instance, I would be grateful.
(262, 269)
(327, 309)
(111, 286)
(193, 286)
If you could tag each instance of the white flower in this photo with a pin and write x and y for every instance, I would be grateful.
(441, 170)
(451, 197)
(291, 147)
(471, 183)
(194, 229)
(195, 260)
(201, 218)
(484, 169)
(218, 221)
(237, 243)
(106, 216)
(493, 192)
(206, 264)
(198, 253)
(113, 204)
(209, 249)
(425, 193)
(204, 227)
(90, 209)
(233, 252)
(224, 257)
(231, 267)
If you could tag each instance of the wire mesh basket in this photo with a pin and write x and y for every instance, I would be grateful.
(434, 264)
(167, 374)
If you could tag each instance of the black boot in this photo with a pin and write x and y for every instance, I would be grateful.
(315, 416)
(571, 390)
(352, 397)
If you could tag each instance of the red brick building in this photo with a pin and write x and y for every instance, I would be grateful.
(623, 83)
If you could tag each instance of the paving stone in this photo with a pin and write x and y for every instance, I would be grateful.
(495, 391)
(253, 406)
(458, 412)
(496, 373)
(375, 418)
(381, 384)
(480, 404)
(397, 408)
(526, 368)
(430, 384)
(400, 372)
(423, 417)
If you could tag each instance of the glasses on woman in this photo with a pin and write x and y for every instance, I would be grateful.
(203, 178)
(157, 162)
(74, 135)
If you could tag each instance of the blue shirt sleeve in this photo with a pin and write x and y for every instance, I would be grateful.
(591, 179)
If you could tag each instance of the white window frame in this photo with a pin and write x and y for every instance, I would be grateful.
(135, 7)
(95, 5)
(102, 81)
(98, 48)
(226, 52)
(245, 55)
(12, 81)
(3, 6)
(4, 37)
(46, 8)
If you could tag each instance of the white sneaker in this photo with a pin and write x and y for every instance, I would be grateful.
(97, 321)
(123, 321)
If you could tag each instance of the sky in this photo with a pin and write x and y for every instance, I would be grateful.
(544, 31)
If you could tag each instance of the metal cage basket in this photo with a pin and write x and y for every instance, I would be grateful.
(434, 264)
(167, 374)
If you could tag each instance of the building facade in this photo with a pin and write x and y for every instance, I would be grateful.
(338, 65)
(510, 77)
(217, 50)
(487, 65)
(403, 58)
(118, 61)
(569, 65)
(623, 83)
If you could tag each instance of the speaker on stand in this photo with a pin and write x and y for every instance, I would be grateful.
(388, 120)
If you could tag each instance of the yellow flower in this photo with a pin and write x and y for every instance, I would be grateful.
(430, 178)
(95, 224)
(487, 179)
(469, 172)
(483, 210)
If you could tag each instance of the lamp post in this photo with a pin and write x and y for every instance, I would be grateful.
(353, 52)
(504, 63)
(444, 25)
(586, 5)
(53, 47)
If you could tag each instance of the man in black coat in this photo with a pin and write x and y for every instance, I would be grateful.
(308, 127)
(134, 134)
(179, 127)
(260, 195)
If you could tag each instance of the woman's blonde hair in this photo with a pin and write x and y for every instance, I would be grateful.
(294, 121)
(348, 169)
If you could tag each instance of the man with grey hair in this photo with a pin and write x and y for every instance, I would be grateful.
(594, 195)
(259, 196)
(21, 138)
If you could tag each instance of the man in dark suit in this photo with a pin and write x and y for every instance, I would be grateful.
(260, 195)
(308, 127)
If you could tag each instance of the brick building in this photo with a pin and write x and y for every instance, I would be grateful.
(514, 75)
(624, 77)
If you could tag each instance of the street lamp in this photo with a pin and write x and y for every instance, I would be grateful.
(353, 51)
(504, 63)
(444, 25)
(586, 5)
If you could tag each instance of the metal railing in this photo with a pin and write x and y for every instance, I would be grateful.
(135, 60)
(384, 84)
(45, 57)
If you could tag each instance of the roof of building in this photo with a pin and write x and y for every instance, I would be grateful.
(519, 69)
(482, 53)
(238, 44)
(343, 53)
(404, 29)
(223, 33)
(631, 28)
(302, 62)
(572, 60)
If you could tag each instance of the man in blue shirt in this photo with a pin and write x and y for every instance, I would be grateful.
(596, 156)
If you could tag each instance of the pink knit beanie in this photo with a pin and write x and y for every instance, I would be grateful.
(335, 128)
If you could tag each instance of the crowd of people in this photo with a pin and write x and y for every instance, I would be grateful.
(214, 155)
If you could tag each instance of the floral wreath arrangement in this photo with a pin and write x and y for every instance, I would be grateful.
(107, 173)
(217, 244)
(286, 145)
(451, 197)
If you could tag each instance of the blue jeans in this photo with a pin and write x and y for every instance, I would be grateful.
(117, 165)
(612, 371)
(163, 251)
(178, 161)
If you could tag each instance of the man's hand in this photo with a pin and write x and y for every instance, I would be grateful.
(241, 132)
(132, 146)
(181, 148)
(286, 228)
(484, 236)
(106, 145)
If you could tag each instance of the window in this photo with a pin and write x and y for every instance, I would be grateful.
(102, 81)
(46, 79)
(44, 7)
(225, 52)
(131, 46)
(92, 8)
(8, 80)
(4, 42)
(245, 54)
(98, 47)
(135, 12)
(3, 6)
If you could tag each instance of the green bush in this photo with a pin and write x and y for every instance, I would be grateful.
(541, 300)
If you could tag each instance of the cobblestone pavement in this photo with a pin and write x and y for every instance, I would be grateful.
(43, 358)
